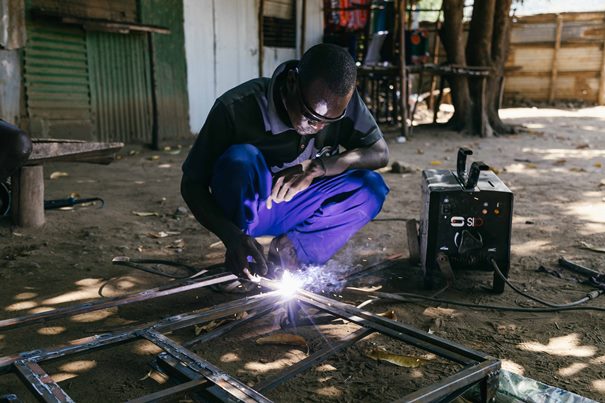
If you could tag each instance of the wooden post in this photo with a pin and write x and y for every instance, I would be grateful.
(553, 74)
(402, 71)
(601, 97)
(430, 104)
(261, 46)
(28, 196)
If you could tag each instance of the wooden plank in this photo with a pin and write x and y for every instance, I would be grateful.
(577, 74)
(553, 76)
(74, 151)
(585, 58)
(549, 17)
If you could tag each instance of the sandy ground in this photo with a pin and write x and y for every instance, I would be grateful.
(555, 171)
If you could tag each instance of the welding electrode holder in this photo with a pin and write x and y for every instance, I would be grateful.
(468, 180)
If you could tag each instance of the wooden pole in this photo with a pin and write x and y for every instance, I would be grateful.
(435, 61)
(601, 97)
(28, 196)
(303, 26)
(402, 71)
(261, 46)
(553, 74)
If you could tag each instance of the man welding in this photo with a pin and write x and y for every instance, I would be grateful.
(291, 156)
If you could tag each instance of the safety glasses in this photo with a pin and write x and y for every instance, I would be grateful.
(308, 112)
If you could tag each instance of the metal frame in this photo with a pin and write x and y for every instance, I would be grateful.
(209, 381)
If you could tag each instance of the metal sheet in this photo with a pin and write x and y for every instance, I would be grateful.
(169, 68)
(120, 86)
(56, 82)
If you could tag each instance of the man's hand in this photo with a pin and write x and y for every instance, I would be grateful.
(236, 257)
(289, 182)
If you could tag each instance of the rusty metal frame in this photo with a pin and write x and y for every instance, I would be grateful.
(209, 381)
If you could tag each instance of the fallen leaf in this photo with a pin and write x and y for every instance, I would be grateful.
(153, 158)
(406, 361)
(531, 165)
(436, 162)
(588, 246)
(576, 169)
(560, 161)
(146, 213)
(495, 170)
(58, 174)
(213, 324)
(389, 315)
(582, 146)
(598, 165)
(283, 338)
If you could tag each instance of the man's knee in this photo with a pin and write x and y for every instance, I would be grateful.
(240, 154)
(374, 187)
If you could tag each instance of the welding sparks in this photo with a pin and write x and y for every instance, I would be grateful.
(289, 284)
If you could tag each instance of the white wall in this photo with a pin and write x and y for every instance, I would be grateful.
(221, 45)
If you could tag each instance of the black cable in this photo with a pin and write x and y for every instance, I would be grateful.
(536, 299)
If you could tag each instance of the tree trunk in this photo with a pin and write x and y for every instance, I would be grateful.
(500, 45)
(451, 36)
(479, 54)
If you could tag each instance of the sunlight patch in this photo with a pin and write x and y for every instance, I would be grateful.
(78, 366)
(564, 346)
(230, 357)
(19, 306)
(530, 248)
(598, 361)
(330, 391)
(326, 368)
(513, 367)
(41, 309)
(26, 295)
(63, 376)
(88, 293)
(437, 312)
(573, 369)
(51, 330)
(599, 385)
(94, 316)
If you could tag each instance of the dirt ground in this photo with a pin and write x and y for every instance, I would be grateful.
(555, 170)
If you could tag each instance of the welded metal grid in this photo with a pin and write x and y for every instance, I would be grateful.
(210, 382)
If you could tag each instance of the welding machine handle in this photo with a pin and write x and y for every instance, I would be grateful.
(473, 176)
(461, 163)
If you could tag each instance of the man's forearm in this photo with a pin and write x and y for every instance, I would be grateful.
(374, 157)
(207, 212)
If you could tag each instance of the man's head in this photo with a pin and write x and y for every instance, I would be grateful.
(319, 90)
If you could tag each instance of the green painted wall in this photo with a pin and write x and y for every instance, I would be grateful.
(169, 68)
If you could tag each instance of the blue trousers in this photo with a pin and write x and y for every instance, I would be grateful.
(318, 221)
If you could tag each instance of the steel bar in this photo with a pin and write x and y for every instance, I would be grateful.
(169, 392)
(40, 383)
(401, 331)
(168, 289)
(169, 324)
(235, 388)
(312, 360)
(446, 386)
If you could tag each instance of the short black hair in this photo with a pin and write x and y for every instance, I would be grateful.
(331, 64)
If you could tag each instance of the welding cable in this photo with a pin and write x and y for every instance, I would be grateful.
(592, 295)
(412, 298)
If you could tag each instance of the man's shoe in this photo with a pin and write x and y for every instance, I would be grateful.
(282, 255)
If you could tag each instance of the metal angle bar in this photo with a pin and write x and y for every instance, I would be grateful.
(446, 386)
(106, 339)
(227, 327)
(169, 392)
(421, 338)
(229, 384)
(314, 359)
(157, 292)
(40, 383)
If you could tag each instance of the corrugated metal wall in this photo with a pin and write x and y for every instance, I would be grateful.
(56, 82)
(169, 68)
(121, 86)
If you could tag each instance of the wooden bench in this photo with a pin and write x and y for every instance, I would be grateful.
(27, 204)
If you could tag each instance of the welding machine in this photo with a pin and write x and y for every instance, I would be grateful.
(465, 221)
